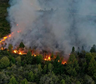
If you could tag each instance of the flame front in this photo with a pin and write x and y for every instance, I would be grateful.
(6, 37)
(15, 51)
(22, 52)
(47, 58)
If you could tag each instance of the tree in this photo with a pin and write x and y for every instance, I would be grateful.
(72, 61)
(21, 45)
(39, 68)
(88, 80)
(31, 76)
(49, 78)
(10, 47)
(50, 67)
(18, 59)
(45, 69)
(78, 82)
(88, 57)
(92, 66)
(39, 59)
(13, 80)
(93, 48)
(12, 59)
(72, 67)
(29, 58)
(24, 81)
(4, 62)
(73, 49)
(63, 81)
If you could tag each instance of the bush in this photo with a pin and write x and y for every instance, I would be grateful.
(4, 62)
(24, 81)
(13, 80)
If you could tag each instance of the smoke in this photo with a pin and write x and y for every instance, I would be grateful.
(55, 25)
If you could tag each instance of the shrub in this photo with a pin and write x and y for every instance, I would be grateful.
(4, 62)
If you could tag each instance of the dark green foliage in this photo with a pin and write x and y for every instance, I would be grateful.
(39, 68)
(92, 66)
(21, 45)
(50, 67)
(4, 25)
(39, 59)
(88, 57)
(12, 59)
(93, 48)
(78, 82)
(4, 62)
(73, 49)
(10, 47)
(72, 66)
(31, 76)
(45, 69)
(28, 58)
(24, 81)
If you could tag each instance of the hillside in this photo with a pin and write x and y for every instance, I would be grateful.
(32, 68)
(4, 25)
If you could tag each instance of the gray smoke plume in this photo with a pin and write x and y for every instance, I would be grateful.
(55, 25)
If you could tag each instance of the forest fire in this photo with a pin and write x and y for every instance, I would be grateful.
(46, 57)
(15, 51)
(5, 38)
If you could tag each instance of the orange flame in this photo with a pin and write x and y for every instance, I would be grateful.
(15, 51)
(47, 58)
(20, 53)
(64, 62)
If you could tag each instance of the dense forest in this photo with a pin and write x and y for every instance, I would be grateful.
(27, 69)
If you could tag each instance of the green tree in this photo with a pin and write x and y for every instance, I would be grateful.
(29, 58)
(12, 59)
(24, 81)
(50, 67)
(88, 80)
(10, 47)
(88, 57)
(72, 67)
(31, 76)
(94, 76)
(13, 80)
(73, 49)
(18, 59)
(39, 68)
(21, 45)
(49, 78)
(4, 62)
(93, 48)
(63, 81)
(45, 69)
(92, 66)
(78, 82)
(39, 59)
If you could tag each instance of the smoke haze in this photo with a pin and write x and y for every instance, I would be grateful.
(55, 25)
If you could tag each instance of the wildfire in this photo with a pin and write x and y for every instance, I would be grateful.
(4, 38)
(20, 53)
(64, 62)
(15, 51)
(47, 58)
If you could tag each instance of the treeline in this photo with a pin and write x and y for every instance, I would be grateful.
(4, 25)
(27, 69)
